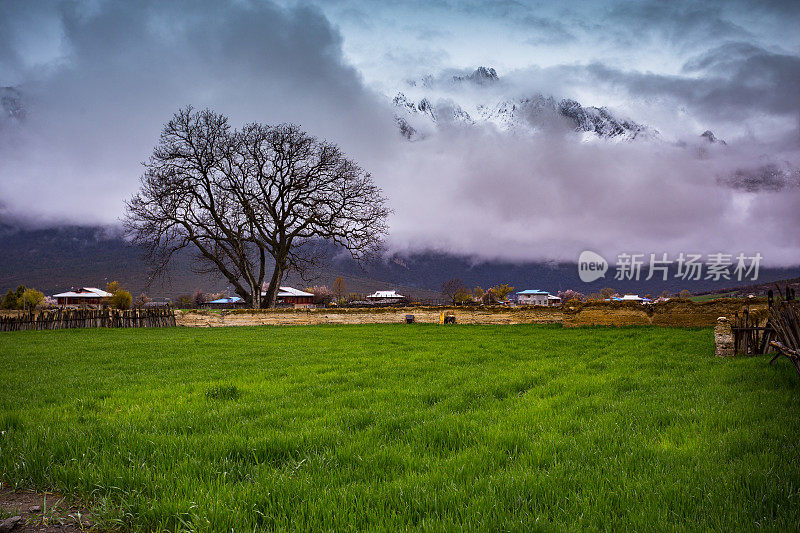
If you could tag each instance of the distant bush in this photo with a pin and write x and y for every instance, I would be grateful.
(199, 298)
(143, 300)
(113, 286)
(478, 293)
(121, 299)
(184, 301)
(570, 294)
(222, 392)
(501, 291)
(9, 301)
(322, 294)
(489, 297)
(463, 296)
(31, 299)
(23, 298)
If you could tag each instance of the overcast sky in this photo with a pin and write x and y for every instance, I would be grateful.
(97, 80)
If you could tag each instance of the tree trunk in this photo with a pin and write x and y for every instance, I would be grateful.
(255, 296)
(274, 286)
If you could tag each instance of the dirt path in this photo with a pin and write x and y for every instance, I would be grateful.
(40, 512)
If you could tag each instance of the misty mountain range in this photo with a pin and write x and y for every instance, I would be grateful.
(480, 99)
(56, 258)
(532, 114)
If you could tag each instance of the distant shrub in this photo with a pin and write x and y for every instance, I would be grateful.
(9, 301)
(222, 392)
(478, 293)
(463, 296)
(184, 301)
(32, 299)
(199, 298)
(354, 297)
(570, 294)
(15, 299)
(489, 297)
(322, 294)
(113, 286)
(23, 298)
(501, 291)
(121, 299)
(143, 300)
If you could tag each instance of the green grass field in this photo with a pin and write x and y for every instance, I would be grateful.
(709, 297)
(402, 427)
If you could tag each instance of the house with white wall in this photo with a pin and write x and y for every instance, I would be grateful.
(537, 297)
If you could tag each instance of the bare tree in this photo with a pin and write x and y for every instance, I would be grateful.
(339, 288)
(239, 197)
(451, 288)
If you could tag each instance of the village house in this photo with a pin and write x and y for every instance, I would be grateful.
(228, 301)
(537, 297)
(629, 298)
(385, 297)
(82, 296)
(293, 297)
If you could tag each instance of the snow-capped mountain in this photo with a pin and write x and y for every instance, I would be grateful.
(481, 76)
(709, 136)
(419, 117)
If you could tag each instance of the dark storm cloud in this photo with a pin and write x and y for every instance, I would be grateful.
(95, 112)
(680, 24)
(735, 78)
(99, 80)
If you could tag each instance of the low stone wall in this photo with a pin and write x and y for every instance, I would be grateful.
(674, 313)
(386, 315)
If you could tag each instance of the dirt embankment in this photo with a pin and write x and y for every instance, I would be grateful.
(386, 315)
(674, 313)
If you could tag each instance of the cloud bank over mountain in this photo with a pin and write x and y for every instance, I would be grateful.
(94, 106)
(585, 136)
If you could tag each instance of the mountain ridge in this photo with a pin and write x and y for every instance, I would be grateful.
(527, 114)
(57, 258)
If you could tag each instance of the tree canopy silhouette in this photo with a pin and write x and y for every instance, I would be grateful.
(251, 200)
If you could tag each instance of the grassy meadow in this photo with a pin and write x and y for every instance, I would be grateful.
(394, 427)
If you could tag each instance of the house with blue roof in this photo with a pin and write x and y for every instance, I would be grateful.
(537, 297)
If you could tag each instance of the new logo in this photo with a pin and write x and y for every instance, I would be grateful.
(591, 266)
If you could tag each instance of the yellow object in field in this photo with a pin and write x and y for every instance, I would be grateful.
(441, 318)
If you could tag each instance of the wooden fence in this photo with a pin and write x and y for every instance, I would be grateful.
(89, 318)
